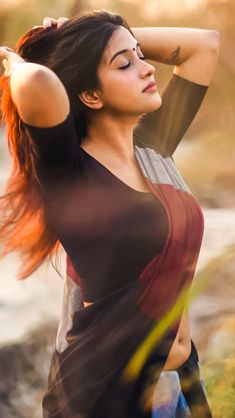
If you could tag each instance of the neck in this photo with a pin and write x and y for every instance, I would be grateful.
(112, 137)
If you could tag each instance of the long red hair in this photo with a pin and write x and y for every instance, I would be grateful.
(23, 220)
(24, 226)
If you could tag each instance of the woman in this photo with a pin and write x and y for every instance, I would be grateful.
(92, 142)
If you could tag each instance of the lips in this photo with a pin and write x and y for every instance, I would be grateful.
(151, 84)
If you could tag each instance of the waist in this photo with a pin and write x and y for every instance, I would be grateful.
(87, 304)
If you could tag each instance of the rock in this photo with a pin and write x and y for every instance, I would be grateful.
(212, 320)
(212, 313)
(23, 373)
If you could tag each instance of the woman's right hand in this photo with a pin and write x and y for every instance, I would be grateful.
(9, 60)
(51, 21)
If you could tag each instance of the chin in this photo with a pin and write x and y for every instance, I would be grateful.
(154, 105)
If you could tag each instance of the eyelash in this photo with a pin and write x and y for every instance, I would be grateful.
(128, 65)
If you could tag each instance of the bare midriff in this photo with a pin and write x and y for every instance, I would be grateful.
(178, 354)
(87, 304)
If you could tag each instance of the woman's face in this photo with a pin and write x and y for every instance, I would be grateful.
(124, 76)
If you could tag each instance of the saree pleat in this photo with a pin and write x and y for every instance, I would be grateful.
(116, 348)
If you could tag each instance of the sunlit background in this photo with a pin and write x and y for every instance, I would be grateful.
(29, 310)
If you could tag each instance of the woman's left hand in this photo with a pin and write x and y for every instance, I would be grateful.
(50, 21)
(9, 59)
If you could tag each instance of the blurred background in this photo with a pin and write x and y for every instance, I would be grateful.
(29, 310)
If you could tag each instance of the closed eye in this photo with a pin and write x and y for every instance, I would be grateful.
(128, 65)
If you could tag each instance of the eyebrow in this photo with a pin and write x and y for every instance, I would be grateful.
(121, 52)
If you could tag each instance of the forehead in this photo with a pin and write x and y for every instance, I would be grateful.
(121, 39)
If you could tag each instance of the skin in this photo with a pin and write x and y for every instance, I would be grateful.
(118, 104)
(192, 52)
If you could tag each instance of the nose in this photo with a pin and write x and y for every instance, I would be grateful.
(147, 69)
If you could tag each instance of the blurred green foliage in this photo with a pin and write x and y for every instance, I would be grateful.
(217, 334)
(219, 378)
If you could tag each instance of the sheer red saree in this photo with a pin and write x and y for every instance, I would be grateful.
(105, 351)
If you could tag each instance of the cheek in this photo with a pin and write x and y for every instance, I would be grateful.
(127, 80)
(119, 92)
(121, 82)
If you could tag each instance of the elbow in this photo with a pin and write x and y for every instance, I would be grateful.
(25, 87)
(35, 93)
(213, 41)
(26, 79)
(29, 77)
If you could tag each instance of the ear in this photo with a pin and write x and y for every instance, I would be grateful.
(91, 99)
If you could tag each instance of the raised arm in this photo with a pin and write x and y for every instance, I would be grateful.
(38, 94)
(193, 53)
(48, 130)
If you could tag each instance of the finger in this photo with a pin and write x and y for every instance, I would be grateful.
(48, 22)
(37, 26)
(4, 51)
(61, 21)
(6, 67)
(5, 63)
